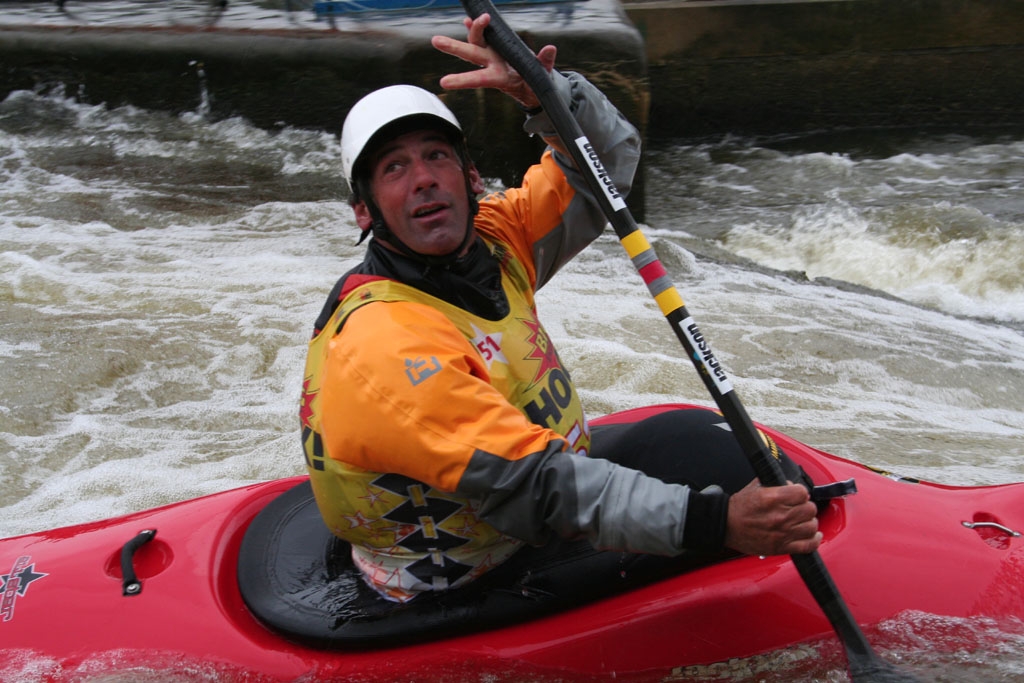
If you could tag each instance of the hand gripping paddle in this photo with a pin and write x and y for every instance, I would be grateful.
(864, 664)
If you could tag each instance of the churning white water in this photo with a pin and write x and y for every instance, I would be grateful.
(159, 277)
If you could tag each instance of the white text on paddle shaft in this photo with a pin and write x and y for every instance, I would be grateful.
(614, 198)
(702, 352)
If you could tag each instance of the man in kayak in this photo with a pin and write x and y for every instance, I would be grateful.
(441, 431)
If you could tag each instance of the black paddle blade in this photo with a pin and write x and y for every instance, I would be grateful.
(875, 670)
(864, 664)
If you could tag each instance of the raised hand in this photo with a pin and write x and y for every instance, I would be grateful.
(493, 71)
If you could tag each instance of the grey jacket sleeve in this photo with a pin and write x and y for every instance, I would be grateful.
(617, 143)
(571, 496)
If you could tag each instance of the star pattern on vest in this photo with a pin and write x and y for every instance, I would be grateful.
(543, 350)
(372, 496)
(489, 346)
(358, 520)
(468, 528)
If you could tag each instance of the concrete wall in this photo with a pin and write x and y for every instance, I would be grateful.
(790, 65)
(309, 77)
(677, 68)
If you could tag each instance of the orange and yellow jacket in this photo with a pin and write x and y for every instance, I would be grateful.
(440, 427)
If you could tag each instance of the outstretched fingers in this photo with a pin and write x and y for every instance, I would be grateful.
(492, 69)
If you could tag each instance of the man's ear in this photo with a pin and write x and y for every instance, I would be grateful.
(476, 183)
(363, 218)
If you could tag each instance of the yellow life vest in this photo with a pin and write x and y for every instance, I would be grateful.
(406, 536)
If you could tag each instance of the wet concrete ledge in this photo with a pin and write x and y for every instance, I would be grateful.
(765, 66)
(677, 68)
(308, 74)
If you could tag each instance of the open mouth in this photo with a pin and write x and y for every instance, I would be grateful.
(429, 210)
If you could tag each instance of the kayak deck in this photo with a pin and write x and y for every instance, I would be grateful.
(894, 547)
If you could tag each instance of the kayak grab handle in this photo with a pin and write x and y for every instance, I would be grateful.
(130, 585)
(992, 525)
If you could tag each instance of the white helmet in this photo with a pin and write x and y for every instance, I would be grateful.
(384, 107)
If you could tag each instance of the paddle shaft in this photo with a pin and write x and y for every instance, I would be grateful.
(862, 659)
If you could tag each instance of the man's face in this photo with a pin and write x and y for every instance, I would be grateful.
(419, 185)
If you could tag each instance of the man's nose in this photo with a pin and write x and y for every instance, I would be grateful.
(423, 174)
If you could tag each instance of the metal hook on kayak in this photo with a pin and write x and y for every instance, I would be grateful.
(993, 525)
(130, 584)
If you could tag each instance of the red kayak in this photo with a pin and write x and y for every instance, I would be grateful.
(159, 591)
